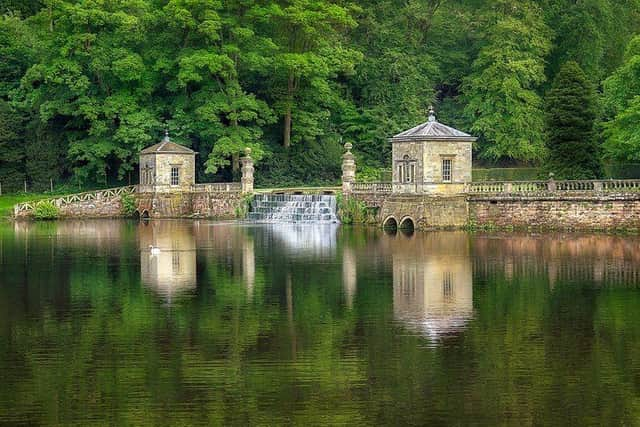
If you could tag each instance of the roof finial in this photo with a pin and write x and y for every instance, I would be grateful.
(166, 135)
(432, 114)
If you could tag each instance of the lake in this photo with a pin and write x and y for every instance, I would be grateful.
(240, 324)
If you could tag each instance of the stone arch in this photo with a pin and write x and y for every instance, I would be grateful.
(391, 223)
(145, 214)
(407, 224)
(136, 214)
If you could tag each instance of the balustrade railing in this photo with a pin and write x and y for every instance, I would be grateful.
(552, 186)
(108, 194)
(372, 187)
(218, 187)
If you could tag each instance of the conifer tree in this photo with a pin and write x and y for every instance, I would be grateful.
(570, 116)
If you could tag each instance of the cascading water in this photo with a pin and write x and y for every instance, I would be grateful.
(294, 208)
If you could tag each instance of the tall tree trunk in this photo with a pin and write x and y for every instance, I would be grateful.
(287, 115)
(235, 163)
(287, 128)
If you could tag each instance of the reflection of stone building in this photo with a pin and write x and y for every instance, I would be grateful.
(172, 271)
(432, 282)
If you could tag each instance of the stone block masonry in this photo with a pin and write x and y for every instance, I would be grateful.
(580, 211)
(426, 212)
(201, 204)
(577, 212)
(220, 201)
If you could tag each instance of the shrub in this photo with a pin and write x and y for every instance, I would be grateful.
(45, 210)
(352, 211)
(245, 207)
(128, 202)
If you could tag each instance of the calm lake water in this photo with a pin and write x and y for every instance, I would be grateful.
(267, 325)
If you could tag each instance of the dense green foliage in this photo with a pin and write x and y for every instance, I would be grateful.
(570, 116)
(622, 104)
(85, 84)
(128, 204)
(45, 210)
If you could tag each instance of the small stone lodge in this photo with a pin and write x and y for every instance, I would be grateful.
(167, 167)
(168, 186)
(431, 158)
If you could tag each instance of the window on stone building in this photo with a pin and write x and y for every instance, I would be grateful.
(407, 170)
(175, 176)
(446, 170)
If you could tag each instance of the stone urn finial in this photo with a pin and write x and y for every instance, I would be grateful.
(432, 114)
(348, 146)
(247, 151)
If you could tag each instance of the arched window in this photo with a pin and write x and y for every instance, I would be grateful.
(407, 170)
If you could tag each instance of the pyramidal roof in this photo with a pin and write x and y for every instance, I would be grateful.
(432, 129)
(167, 147)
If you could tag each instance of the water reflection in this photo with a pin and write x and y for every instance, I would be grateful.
(307, 240)
(432, 282)
(269, 338)
(171, 272)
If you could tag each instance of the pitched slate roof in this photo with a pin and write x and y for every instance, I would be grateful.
(167, 147)
(432, 129)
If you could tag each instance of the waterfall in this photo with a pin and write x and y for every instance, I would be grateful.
(294, 208)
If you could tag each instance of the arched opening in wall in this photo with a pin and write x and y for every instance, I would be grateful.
(136, 215)
(390, 225)
(407, 226)
(145, 214)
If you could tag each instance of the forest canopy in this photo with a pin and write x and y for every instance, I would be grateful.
(85, 84)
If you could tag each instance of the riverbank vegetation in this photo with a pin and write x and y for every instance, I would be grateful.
(85, 85)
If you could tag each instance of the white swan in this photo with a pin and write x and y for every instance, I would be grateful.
(154, 250)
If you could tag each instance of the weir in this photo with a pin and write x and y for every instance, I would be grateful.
(294, 208)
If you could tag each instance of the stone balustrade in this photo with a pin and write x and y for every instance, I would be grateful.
(552, 186)
(218, 187)
(372, 187)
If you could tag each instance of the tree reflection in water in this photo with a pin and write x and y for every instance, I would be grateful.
(289, 325)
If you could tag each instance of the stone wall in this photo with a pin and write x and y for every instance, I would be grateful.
(217, 205)
(221, 205)
(426, 212)
(160, 164)
(543, 212)
(576, 212)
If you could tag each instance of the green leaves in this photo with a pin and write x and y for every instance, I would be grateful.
(225, 75)
(622, 106)
(501, 92)
(570, 116)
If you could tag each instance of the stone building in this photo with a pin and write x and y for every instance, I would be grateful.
(431, 158)
(167, 167)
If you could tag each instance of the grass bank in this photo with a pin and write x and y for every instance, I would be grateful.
(8, 201)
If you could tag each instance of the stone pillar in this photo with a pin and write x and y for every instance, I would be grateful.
(551, 184)
(247, 172)
(348, 170)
